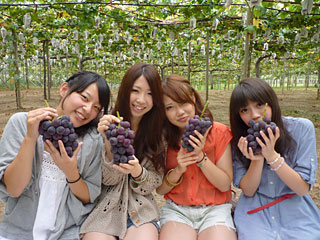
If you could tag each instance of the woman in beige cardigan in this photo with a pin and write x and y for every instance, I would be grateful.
(127, 209)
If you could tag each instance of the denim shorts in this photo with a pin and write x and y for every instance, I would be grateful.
(198, 217)
(155, 223)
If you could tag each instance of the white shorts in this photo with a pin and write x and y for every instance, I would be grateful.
(197, 217)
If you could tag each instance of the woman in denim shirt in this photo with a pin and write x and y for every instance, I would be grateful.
(274, 203)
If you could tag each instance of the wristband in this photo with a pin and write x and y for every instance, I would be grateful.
(144, 178)
(137, 177)
(204, 155)
(75, 180)
(274, 161)
(278, 167)
(202, 162)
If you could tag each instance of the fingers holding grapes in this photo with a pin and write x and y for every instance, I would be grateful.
(248, 151)
(61, 157)
(184, 159)
(35, 117)
(131, 167)
(105, 122)
(268, 142)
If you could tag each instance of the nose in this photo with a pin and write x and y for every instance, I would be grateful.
(87, 107)
(141, 98)
(256, 114)
(180, 110)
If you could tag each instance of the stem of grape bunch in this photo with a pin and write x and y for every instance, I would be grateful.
(46, 102)
(264, 112)
(204, 108)
(118, 116)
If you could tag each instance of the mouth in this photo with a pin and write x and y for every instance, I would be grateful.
(80, 116)
(183, 119)
(138, 108)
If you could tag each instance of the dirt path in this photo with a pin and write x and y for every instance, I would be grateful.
(298, 103)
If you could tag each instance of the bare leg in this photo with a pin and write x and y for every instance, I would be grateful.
(218, 232)
(97, 236)
(175, 230)
(145, 232)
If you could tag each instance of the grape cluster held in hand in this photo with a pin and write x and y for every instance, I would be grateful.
(60, 129)
(195, 123)
(254, 132)
(121, 139)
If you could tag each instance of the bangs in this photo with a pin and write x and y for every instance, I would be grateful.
(244, 93)
(178, 91)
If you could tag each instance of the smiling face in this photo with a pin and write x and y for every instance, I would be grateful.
(82, 107)
(141, 100)
(254, 111)
(178, 114)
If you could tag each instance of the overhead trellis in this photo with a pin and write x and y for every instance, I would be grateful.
(118, 33)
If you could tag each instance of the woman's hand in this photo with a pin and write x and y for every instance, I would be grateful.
(105, 122)
(198, 143)
(243, 147)
(184, 159)
(35, 117)
(69, 165)
(267, 147)
(133, 167)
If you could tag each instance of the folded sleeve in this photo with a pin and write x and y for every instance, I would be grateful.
(238, 171)
(11, 140)
(306, 152)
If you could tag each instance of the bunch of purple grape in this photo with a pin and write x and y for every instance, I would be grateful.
(254, 132)
(195, 123)
(60, 129)
(121, 139)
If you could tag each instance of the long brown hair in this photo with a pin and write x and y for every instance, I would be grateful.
(256, 90)
(180, 90)
(148, 138)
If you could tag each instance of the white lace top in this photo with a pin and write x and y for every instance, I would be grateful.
(52, 183)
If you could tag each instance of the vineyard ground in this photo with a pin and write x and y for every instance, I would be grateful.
(294, 102)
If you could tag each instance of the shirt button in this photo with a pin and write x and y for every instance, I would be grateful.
(36, 192)
(274, 232)
(138, 220)
(312, 159)
(271, 182)
(133, 213)
(273, 217)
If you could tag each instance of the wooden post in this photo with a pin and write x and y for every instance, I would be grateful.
(17, 73)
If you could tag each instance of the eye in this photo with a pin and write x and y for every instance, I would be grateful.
(243, 110)
(168, 107)
(134, 90)
(84, 97)
(97, 108)
(150, 93)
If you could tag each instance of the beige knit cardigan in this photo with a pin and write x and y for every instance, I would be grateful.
(122, 197)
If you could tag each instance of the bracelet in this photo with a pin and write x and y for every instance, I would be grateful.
(170, 184)
(274, 161)
(75, 180)
(202, 163)
(204, 155)
(145, 176)
(137, 177)
(278, 167)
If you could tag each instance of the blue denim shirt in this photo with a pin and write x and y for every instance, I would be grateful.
(19, 215)
(295, 218)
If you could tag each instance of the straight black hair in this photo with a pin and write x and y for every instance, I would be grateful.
(78, 83)
(256, 90)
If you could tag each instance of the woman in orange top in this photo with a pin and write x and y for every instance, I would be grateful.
(197, 184)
